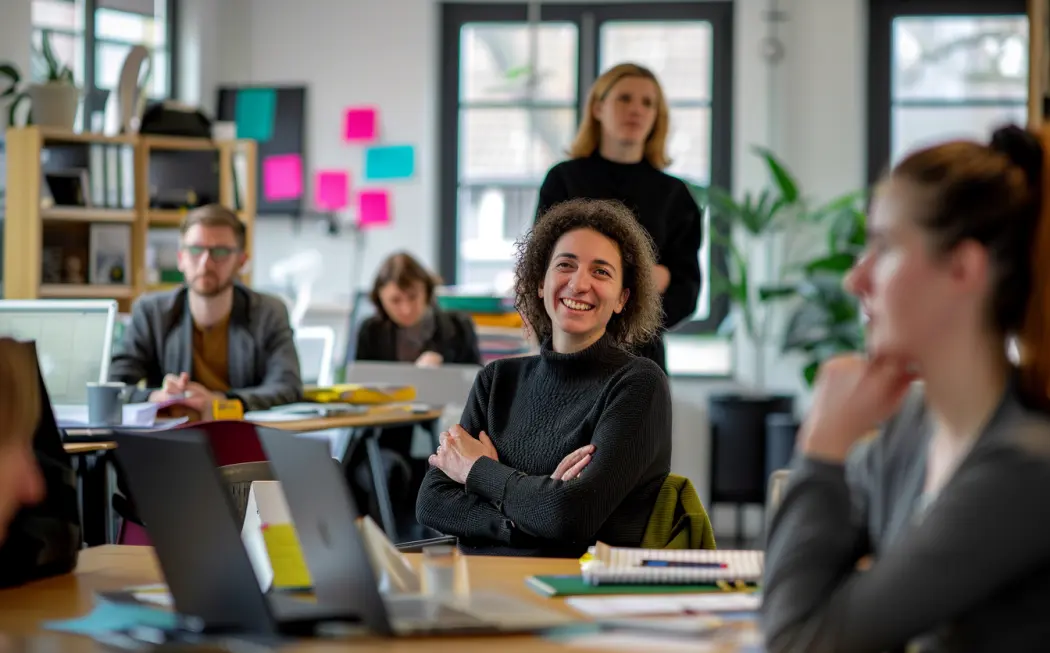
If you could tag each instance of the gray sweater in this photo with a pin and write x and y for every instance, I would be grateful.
(971, 572)
(263, 362)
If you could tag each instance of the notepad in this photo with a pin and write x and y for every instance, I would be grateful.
(624, 566)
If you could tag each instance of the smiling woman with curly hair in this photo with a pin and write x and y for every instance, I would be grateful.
(558, 450)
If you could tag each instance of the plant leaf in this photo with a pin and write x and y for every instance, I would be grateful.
(839, 262)
(785, 181)
(767, 293)
(12, 109)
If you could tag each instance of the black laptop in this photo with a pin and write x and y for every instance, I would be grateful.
(192, 522)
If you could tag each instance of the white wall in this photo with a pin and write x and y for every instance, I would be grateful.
(15, 41)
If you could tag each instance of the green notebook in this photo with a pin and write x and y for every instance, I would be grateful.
(575, 586)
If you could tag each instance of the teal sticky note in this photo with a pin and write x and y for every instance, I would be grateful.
(108, 617)
(390, 162)
(254, 113)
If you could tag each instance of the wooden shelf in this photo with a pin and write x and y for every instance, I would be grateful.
(28, 221)
(165, 217)
(85, 291)
(176, 143)
(85, 214)
(162, 287)
(62, 136)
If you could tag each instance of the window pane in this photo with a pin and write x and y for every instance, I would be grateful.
(68, 49)
(494, 62)
(678, 52)
(689, 143)
(491, 219)
(109, 59)
(515, 144)
(915, 127)
(58, 14)
(960, 57)
(160, 84)
(129, 27)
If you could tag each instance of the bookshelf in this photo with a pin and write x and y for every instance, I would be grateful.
(43, 240)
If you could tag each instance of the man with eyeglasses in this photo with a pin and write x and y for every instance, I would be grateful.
(212, 337)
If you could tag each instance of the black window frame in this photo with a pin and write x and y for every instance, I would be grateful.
(588, 19)
(881, 14)
(94, 96)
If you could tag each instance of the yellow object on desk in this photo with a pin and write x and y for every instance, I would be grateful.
(227, 409)
(286, 557)
(356, 393)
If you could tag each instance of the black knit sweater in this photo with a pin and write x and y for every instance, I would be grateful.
(537, 410)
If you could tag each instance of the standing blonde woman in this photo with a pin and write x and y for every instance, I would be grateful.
(619, 153)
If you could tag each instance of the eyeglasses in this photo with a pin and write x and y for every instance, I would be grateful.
(220, 253)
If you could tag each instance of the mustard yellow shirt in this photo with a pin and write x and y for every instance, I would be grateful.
(211, 356)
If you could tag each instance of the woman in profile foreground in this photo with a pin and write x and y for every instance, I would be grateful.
(20, 481)
(557, 450)
(950, 499)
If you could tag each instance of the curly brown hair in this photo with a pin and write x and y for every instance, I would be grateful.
(642, 314)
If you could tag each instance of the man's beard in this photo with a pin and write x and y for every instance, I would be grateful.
(219, 288)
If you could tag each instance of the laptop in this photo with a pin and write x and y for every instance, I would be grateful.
(438, 386)
(324, 515)
(190, 515)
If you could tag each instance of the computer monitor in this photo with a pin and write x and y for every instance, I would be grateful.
(74, 339)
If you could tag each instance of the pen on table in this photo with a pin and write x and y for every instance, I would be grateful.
(679, 563)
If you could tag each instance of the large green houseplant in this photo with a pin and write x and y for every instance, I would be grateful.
(761, 237)
(825, 320)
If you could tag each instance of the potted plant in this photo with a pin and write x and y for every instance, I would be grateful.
(54, 101)
(755, 233)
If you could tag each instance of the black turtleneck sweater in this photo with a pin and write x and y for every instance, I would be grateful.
(662, 204)
(537, 410)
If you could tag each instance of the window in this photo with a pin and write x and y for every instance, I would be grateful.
(511, 102)
(942, 69)
(93, 37)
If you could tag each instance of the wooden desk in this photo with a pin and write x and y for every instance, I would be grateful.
(95, 490)
(377, 417)
(113, 567)
(81, 448)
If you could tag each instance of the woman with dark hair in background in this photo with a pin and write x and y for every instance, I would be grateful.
(619, 153)
(557, 450)
(950, 499)
(408, 326)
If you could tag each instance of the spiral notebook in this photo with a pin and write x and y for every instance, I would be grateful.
(616, 565)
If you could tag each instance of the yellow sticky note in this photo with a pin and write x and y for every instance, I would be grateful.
(286, 557)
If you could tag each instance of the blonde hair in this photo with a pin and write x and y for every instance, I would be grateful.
(589, 135)
(19, 392)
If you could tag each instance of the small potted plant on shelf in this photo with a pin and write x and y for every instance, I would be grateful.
(53, 102)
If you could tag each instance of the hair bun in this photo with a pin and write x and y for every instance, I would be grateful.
(1023, 148)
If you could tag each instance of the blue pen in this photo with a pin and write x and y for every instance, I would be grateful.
(677, 563)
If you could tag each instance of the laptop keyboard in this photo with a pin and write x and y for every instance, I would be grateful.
(417, 610)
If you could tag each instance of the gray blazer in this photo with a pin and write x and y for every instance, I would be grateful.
(967, 571)
(263, 362)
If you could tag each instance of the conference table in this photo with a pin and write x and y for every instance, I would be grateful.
(95, 487)
(107, 568)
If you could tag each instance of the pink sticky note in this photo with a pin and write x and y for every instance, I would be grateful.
(331, 190)
(373, 208)
(359, 124)
(282, 177)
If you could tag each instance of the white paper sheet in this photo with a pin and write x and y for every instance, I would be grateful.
(620, 606)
